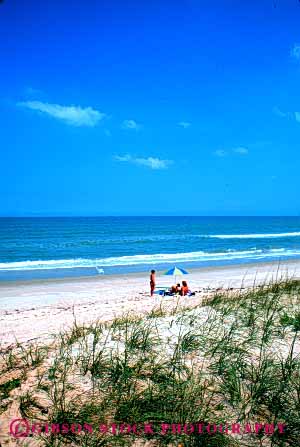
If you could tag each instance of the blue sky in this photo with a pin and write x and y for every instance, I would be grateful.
(161, 107)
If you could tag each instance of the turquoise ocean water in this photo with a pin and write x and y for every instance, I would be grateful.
(74, 246)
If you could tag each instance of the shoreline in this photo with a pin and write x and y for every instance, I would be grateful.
(90, 278)
(35, 310)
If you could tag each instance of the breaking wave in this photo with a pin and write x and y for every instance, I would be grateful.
(253, 236)
(151, 259)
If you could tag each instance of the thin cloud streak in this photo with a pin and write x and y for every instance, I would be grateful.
(276, 110)
(297, 116)
(149, 162)
(241, 150)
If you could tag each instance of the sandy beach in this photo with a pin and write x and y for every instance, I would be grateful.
(35, 310)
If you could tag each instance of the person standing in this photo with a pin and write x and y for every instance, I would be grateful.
(152, 282)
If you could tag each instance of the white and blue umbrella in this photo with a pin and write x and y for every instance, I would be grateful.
(176, 271)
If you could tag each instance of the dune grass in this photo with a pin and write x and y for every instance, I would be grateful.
(234, 358)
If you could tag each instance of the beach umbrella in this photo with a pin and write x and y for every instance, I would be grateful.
(176, 271)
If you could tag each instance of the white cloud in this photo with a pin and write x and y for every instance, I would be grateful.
(295, 52)
(149, 162)
(241, 150)
(130, 124)
(72, 115)
(184, 124)
(220, 153)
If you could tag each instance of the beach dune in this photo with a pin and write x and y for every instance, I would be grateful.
(34, 310)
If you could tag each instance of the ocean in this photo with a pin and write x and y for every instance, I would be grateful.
(57, 247)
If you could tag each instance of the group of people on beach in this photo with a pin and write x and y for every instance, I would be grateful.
(181, 289)
(174, 290)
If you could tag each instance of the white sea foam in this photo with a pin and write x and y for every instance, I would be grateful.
(252, 236)
(160, 258)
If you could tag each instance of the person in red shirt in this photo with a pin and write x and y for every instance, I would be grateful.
(152, 282)
(184, 289)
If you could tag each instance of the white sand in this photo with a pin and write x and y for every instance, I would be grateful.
(33, 310)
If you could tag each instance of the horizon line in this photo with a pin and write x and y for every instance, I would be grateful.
(141, 215)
